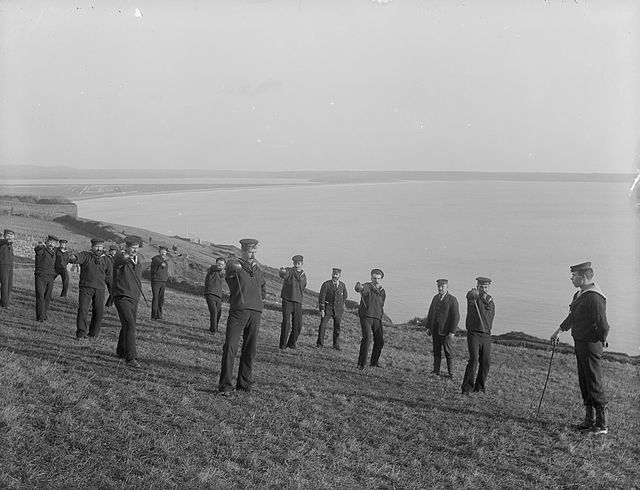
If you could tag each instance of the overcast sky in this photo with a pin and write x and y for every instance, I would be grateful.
(495, 85)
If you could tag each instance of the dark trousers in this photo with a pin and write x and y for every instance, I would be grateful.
(127, 311)
(44, 288)
(588, 355)
(479, 344)
(330, 313)
(215, 310)
(6, 284)
(157, 289)
(110, 298)
(65, 280)
(371, 329)
(291, 322)
(247, 323)
(94, 297)
(440, 343)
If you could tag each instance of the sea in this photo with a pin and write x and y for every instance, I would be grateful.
(523, 235)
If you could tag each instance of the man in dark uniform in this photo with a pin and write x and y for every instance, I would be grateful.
(110, 255)
(442, 324)
(159, 276)
(293, 284)
(333, 294)
(62, 259)
(6, 267)
(247, 290)
(126, 290)
(44, 274)
(95, 274)
(370, 311)
(481, 311)
(587, 321)
(213, 292)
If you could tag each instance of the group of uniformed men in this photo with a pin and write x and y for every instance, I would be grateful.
(120, 272)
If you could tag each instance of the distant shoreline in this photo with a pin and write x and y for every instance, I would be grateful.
(79, 186)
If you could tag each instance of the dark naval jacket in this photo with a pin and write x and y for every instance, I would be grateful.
(372, 301)
(95, 270)
(6, 252)
(293, 285)
(443, 315)
(45, 261)
(213, 281)
(332, 296)
(487, 310)
(126, 277)
(159, 269)
(62, 259)
(587, 317)
(247, 286)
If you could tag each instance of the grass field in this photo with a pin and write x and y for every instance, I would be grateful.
(74, 416)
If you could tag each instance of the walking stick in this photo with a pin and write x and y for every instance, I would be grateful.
(137, 281)
(240, 288)
(555, 342)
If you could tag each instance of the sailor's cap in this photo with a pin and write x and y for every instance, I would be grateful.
(133, 240)
(581, 267)
(248, 243)
(483, 280)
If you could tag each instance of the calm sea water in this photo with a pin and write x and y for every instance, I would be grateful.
(524, 235)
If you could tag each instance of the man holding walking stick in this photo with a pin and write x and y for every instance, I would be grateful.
(587, 321)
(481, 311)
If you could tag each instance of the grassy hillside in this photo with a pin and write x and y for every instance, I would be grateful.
(73, 416)
(188, 265)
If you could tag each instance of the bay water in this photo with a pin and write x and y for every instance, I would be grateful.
(523, 235)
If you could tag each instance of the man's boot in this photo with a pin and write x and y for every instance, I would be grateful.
(450, 367)
(589, 418)
(436, 365)
(600, 427)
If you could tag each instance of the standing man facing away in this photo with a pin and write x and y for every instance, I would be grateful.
(331, 300)
(370, 311)
(44, 274)
(213, 292)
(110, 255)
(159, 276)
(293, 284)
(587, 321)
(95, 274)
(6, 267)
(481, 311)
(62, 259)
(126, 290)
(442, 323)
(247, 290)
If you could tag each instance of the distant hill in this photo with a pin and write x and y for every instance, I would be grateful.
(63, 172)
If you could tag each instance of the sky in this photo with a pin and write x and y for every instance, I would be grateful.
(474, 85)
